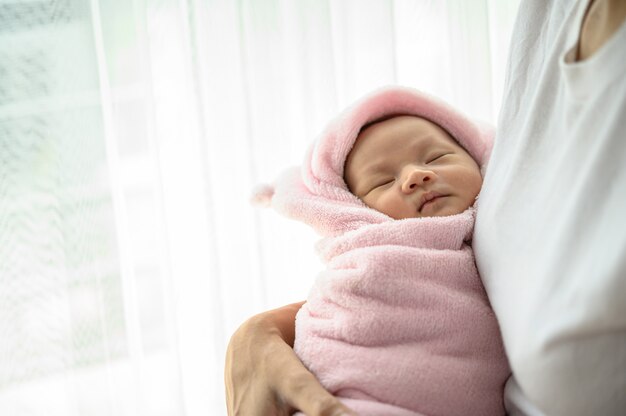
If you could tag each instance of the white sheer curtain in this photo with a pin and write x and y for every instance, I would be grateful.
(131, 135)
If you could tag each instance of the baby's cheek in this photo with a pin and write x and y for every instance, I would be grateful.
(467, 185)
(395, 206)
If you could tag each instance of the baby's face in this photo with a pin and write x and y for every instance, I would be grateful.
(408, 167)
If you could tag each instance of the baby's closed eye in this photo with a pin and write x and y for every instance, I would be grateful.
(382, 183)
(437, 157)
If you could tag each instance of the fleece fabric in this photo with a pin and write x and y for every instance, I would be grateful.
(398, 323)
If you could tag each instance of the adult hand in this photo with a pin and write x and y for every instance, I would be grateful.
(264, 376)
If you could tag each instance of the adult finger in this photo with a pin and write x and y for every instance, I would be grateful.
(304, 392)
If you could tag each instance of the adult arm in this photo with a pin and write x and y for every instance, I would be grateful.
(602, 19)
(263, 375)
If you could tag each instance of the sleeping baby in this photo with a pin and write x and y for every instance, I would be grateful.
(398, 323)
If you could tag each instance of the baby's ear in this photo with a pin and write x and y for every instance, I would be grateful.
(262, 195)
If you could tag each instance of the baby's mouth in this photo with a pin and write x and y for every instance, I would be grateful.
(427, 199)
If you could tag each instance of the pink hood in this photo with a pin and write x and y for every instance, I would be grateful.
(317, 193)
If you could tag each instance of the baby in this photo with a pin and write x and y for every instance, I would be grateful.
(398, 323)
(408, 167)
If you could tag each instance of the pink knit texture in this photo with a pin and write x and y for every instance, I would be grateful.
(398, 323)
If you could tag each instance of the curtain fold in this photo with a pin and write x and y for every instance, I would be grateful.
(131, 136)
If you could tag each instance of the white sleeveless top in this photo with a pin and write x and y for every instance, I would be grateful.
(550, 236)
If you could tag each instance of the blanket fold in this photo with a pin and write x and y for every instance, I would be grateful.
(404, 323)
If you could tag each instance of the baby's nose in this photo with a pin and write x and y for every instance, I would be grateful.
(416, 178)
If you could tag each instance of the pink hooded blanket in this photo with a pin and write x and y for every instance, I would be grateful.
(398, 323)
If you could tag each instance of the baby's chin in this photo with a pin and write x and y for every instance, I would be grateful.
(438, 214)
(441, 212)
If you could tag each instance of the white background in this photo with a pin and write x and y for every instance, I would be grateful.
(131, 136)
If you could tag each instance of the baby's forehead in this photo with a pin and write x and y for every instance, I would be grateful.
(380, 122)
(403, 128)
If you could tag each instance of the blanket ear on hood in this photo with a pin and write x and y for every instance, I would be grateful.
(317, 194)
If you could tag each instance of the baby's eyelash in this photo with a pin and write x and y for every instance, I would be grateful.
(384, 183)
(438, 157)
